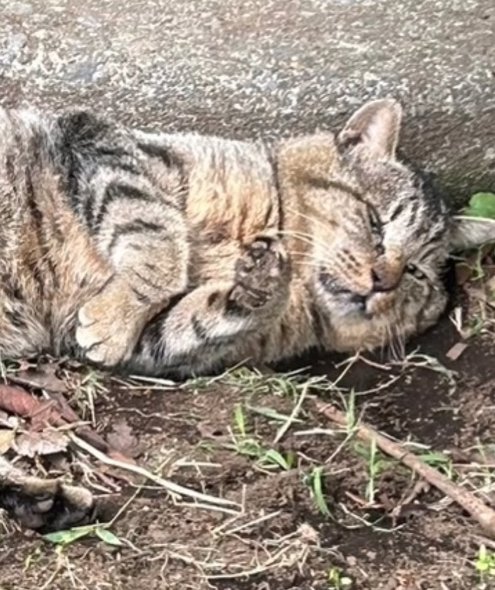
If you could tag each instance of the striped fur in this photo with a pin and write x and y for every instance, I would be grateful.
(180, 253)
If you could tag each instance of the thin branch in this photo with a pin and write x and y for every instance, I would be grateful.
(171, 487)
(468, 501)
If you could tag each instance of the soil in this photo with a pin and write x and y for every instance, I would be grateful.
(405, 537)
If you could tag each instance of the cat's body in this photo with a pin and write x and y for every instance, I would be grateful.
(221, 251)
(73, 188)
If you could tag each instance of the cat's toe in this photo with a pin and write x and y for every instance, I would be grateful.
(101, 341)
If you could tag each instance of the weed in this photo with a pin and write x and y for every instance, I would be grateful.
(240, 420)
(242, 444)
(373, 470)
(439, 461)
(69, 536)
(337, 580)
(485, 564)
(315, 483)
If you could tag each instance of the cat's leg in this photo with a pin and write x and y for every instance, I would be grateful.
(131, 205)
(148, 253)
(147, 248)
(209, 322)
(46, 504)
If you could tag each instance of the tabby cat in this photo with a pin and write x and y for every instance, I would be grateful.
(181, 253)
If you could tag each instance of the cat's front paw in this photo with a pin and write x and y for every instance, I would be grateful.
(262, 276)
(48, 505)
(106, 331)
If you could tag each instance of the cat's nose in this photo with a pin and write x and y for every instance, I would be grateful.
(383, 283)
(386, 275)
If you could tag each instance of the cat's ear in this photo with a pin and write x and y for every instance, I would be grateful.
(308, 159)
(375, 128)
(471, 232)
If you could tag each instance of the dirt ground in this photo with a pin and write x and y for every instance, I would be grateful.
(315, 509)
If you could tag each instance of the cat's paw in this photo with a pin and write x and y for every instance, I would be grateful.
(48, 505)
(106, 331)
(262, 275)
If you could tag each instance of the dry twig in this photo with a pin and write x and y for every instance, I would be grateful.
(204, 500)
(468, 501)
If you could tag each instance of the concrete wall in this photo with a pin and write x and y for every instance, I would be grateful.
(248, 68)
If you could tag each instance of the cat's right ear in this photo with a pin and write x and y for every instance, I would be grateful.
(374, 128)
(303, 160)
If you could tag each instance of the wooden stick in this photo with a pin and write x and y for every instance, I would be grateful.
(468, 501)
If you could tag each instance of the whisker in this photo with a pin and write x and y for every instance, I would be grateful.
(396, 338)
(308, 238)
(313, 219)
(314, 238)
(309, 259)
(303, 236)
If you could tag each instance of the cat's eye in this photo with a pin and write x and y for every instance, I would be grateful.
(412, 269)
(374, 220)
(376, 226)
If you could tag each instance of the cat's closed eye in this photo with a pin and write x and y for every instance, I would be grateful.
(377, 227)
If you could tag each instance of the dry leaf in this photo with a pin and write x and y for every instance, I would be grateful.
(455, 352)
(42, 378)
(17, 400)
(7, 421)
(463, 272)
(31, 444)
(6, 439)
(123, 440)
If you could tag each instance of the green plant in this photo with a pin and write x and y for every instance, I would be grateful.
(438, 461)
(69, 536)
(249, 446)
(373, 471)
(481, 205)
(485, 563)
(337, 580)
(315, 483)
(376, 462)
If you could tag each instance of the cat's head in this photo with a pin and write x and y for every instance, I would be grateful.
(368, 231)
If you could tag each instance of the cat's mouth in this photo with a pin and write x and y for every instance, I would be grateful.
(345, 302)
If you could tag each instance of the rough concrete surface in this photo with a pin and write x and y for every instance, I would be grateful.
(259, 68)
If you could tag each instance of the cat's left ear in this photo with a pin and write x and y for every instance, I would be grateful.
(375, 128)
(471, 232)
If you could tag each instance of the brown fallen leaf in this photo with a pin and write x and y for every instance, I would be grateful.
(48, 442)
(123, 440)
(63, 407)
(17, 400)
(6, 439)
(455, 352)
(43, 377)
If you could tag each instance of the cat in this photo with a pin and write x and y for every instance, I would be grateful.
(179, 254)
